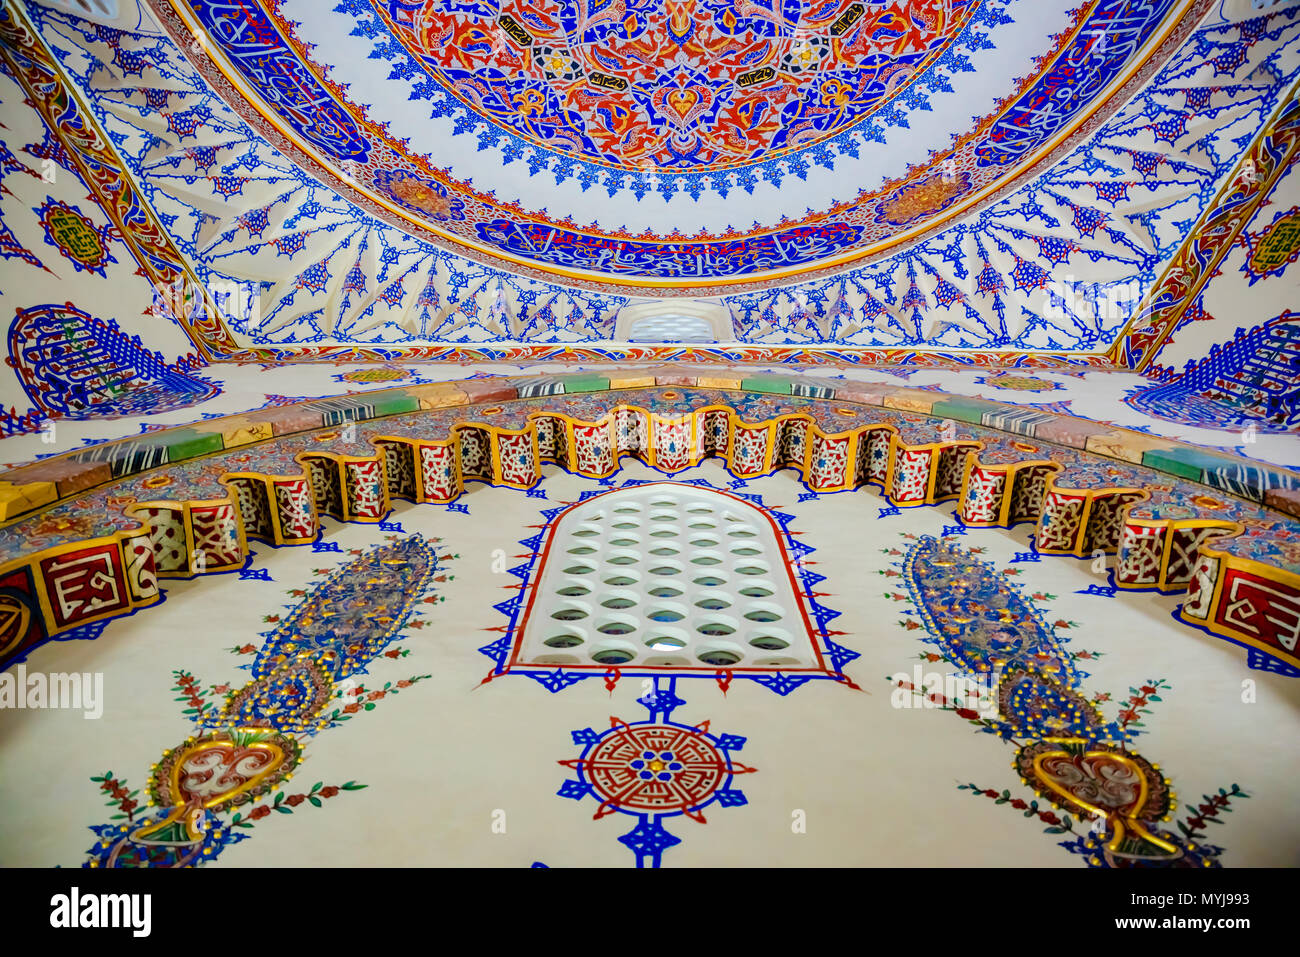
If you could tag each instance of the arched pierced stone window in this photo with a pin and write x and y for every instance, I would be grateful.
(666, 576)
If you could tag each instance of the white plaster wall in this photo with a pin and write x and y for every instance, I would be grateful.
(878, 784)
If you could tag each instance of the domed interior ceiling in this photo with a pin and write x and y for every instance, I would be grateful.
(1017, 178)
(673, 143)
(1061, 321)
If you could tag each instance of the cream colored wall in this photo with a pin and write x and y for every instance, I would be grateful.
(878, 784)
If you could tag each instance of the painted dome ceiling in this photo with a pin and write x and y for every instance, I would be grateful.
(679, 146)
(1065, 258)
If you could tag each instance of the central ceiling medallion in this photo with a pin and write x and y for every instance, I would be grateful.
(691, 85)
(675, 147)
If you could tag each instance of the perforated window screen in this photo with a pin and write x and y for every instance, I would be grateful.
(672, 328)
(666, 576)
(675, 320)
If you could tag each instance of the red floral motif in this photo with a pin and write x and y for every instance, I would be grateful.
(1057, 825)
(285, 805)
(1137, 702)
(120, 794)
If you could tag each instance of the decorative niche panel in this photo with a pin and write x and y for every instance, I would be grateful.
(666, 576)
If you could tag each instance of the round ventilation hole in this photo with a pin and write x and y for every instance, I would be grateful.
(666, 615)
(720, 654)
(568, 614)
(617, 625)
(665, 643)
(722, 659)
(707, 558)
(562, 641)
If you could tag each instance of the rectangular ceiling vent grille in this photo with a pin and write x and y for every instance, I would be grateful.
(671, 328)
(675, 321)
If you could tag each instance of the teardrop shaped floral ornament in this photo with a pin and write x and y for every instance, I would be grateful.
(1093, 780)
(976, 615)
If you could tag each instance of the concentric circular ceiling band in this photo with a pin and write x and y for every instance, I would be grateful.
(250, 54)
